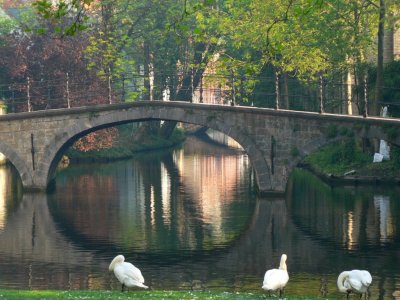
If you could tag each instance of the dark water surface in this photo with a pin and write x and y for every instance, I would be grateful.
(189, 218)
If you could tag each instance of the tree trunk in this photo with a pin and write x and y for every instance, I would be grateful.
(189, 83)
(147, 128)
(379, 68)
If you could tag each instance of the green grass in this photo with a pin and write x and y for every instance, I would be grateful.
(341, 157)
(137, 295)
(337, 158)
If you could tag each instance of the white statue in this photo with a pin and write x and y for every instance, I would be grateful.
(384, 148)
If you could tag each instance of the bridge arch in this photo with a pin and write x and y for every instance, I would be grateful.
(65, 138)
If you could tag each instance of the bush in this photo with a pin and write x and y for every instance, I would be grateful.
(395, 155)
(338, 157)
(348, 153)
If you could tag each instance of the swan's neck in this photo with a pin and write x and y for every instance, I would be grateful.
(340, 281)
(282, 265)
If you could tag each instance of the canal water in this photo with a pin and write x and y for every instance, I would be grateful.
(189, 218)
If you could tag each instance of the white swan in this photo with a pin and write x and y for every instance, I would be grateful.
(276, 279)
(356, 281)
(126, 273)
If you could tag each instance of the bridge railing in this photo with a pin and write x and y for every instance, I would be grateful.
(324, 96)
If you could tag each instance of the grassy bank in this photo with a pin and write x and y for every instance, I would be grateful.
(137, 295)
(345, 156)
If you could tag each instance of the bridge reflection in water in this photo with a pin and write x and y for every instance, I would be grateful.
(48, 241)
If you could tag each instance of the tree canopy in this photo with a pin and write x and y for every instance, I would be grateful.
(173, 45)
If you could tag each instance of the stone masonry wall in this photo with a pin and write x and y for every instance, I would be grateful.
(275, 140)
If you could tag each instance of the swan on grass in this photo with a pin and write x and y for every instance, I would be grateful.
(127, 274)
(355, 281)
(276, 279)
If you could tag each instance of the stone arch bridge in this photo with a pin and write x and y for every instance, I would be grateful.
(275, 140)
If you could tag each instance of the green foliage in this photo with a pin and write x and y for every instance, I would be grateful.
(13, 26)
(339, 157)
(306, 37)
(391, 131)
(301, 37)
(395, 156)
(391, 91)
(348, 152)
(133, 95)
(103, 55)
(6, 25)
(69, 14)
(236, 39)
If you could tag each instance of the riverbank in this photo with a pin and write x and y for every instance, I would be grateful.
(126, 149)
(346, 163)
(138, 295)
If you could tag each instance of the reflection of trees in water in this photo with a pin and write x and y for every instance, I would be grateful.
(357, 225)
(353, 219)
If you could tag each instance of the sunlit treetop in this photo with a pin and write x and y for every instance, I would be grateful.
(70, 16)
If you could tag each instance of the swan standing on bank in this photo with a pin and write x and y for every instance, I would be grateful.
(276, 279)
(356, 281)
(126, 273)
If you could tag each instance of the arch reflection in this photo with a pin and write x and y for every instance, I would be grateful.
(187, 199)
(10, 191)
